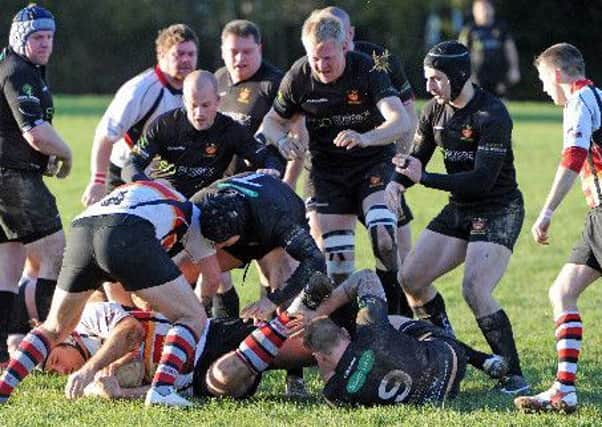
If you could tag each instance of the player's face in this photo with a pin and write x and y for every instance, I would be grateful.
(327, 60)
(179, 60)
(242, 56)
(483, 13)
(38, 47)
(549, 77)
(63, 360)
(201, 106)
(437, 84)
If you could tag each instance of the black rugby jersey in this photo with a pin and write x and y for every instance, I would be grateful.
(25, 102)
(391, 64)
(192, 159)
(275, 218)
(248, 101)
(476, 146)
(347, 103)
(384, 366)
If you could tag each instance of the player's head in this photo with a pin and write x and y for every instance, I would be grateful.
(67, 357)
(229, 376)
(241, 49)
(559, 64)
(223, 217)
(32, 34)
(447, 70)
(345, 20)
(325, 44)
(483, 12)
(177, 50)
(201, 99)
(326, 340)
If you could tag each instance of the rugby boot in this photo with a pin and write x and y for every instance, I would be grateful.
(512, 385)
(495, 366)
(295, 387)
(551, 400)
(173, 399)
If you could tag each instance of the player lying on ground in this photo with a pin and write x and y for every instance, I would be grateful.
(230, 355)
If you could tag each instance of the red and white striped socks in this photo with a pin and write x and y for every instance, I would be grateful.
(178, 348)
(32, 351)
(260, 348)
(569, 331)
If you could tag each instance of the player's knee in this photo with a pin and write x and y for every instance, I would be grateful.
(339, 247)
(411, 279)
(560, 294)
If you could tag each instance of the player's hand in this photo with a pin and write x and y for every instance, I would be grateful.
(513, 76)
(393, 194)
(77, 382)
(260, 310)
(93, 193)
(408, 166)
(273, 172)
(540, 228)
(291, 147)
(64, 169)
(106, 387)
(350, 139)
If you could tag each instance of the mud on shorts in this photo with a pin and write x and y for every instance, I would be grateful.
(497, 223)
(342, 191)
(118, 247)
(28, 210)
(588, 249)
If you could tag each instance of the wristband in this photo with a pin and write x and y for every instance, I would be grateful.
(100, 178)
(546, 213)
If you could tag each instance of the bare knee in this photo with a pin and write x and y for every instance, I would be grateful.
(384, 246)
(49, 251)
(561, 294)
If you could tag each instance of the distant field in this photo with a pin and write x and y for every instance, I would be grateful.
(523, 293)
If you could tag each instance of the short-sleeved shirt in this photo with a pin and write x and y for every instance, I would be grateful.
(482, 128)
(248, 101)
(25, 102)
(136, 104)
(391, 64)
(347, 103)
(192, 159)
(385, 366)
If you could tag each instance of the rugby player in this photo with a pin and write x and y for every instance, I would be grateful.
(481, 222)
(29, 148)
(561, 69)
(353, 116)
(125, 237)
(135, 105)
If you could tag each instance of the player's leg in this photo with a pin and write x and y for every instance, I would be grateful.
(434, 254)
(338, 235)
(12, 258)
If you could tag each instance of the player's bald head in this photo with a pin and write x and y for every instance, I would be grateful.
(199, 80)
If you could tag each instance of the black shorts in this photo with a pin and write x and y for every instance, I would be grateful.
(114, 178)
(224, 336)
(499, 224)
(343, 191)
(115, 248)
(28, 210)
(588, 249)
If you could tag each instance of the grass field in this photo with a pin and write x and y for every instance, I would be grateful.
(523, 293)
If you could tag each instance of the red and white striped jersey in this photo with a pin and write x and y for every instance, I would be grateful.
(172, 215)
(582, 124)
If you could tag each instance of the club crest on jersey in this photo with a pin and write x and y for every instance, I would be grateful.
(211, 150)
(353, 97)
(27, 89)
(381, 62)
(375, 181)
(244, 95)
(479, 226)
(467, 133)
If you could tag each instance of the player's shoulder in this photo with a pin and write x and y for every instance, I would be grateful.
(300, 67)
(489, 107)
(223, 78)
(268, 71)
(140, 84)
(12, 64)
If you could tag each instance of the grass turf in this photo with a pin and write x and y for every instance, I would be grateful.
(522, 292)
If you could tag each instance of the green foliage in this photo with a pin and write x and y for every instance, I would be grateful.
(522, 292)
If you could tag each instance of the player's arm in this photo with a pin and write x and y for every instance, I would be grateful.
(566, 174)
(99, 165)
(258, 153)
(294, 168)
(27, 111)
(278, 131)
(126, 336)
(143, 152)
(108, 387)
(512, 58)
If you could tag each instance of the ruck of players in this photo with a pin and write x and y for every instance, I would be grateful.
(194, 174)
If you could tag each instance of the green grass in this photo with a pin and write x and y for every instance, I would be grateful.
(523, 293)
